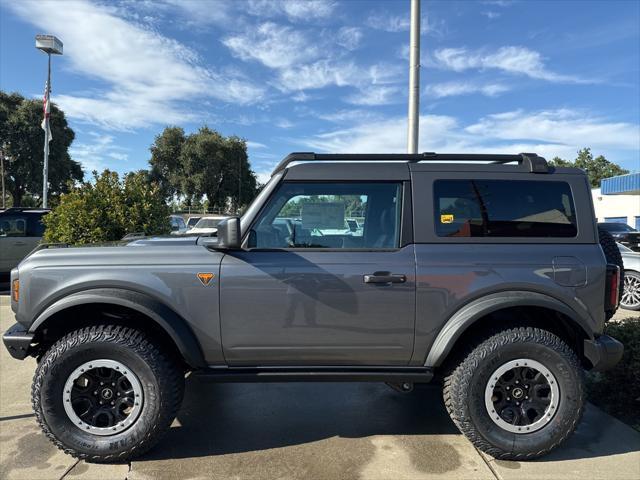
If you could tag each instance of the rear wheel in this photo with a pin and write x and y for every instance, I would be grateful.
(518, 394)
(106, 393)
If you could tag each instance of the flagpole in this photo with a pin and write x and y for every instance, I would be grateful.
(45, 170)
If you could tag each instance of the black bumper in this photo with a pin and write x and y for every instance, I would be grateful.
(604, 352)
(17, 340)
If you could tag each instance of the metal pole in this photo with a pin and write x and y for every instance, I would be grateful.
(2, 170)
(414, 78)
(45, 169)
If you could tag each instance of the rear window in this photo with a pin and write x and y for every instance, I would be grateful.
(504, 208)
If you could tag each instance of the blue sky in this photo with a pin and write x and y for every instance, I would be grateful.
(323, 75)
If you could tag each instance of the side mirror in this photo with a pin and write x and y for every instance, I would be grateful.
(229, 233)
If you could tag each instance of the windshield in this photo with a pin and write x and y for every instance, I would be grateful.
(616, 227)
(192, 221)
(208, 223)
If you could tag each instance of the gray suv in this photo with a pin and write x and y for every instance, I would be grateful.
(483, 271)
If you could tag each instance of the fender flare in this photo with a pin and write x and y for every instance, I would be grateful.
(471, 312)
(172, 323)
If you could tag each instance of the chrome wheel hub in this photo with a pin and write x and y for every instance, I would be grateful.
(522, 396)
(102, 397)
(631, 292)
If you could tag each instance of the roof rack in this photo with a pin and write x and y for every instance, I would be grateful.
(529, 161)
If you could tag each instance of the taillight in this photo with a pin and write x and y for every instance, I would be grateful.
(612, 292)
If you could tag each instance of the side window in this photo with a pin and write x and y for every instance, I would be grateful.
(330, 215)
(13, 226)
(499, 208)
(35, 227)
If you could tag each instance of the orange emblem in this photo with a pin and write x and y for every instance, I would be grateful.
(205, 278)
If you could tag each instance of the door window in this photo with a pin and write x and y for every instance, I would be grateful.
(330, 215)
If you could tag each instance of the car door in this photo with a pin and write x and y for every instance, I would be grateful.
(311, 289)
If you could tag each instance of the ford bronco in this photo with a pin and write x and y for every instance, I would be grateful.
(486, 272)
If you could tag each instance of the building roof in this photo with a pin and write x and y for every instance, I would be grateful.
(621, 185)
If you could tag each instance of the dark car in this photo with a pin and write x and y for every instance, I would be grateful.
(622, 233)
(485, 272)
(21, 230)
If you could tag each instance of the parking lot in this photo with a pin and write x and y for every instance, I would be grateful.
(305, 431)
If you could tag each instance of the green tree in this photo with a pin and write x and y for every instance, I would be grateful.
(597, 168)
(22, 142)
(204, 163)
(107, 209)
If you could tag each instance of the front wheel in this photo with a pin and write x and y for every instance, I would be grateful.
(518, 394)
(106, 393)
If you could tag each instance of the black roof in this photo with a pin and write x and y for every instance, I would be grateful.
(529, 161)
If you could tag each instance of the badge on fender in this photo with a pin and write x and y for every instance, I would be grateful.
(205, 278)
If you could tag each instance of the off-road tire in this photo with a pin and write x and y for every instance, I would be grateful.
(464, 393)
(613, 255)
(161, 379)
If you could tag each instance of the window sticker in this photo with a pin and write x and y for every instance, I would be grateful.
(323, 215)
(446, 218)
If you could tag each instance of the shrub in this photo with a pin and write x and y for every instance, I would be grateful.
(107, 209)
(618, 390)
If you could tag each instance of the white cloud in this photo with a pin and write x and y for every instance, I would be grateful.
(385, 21)
(275, 46)
(449, 89)
(558, 126)
(251, 144)
(93, 154)
(148, 76)
(491, 15)
(511, 59)
(349, 37)
(549, 133)
(295, 10)
(318, 74)
(376, 95)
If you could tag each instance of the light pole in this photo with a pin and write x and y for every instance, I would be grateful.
(48, 44)
(414, 78)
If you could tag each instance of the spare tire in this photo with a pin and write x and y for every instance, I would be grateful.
(613, 255)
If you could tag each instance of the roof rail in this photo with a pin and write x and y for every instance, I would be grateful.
(529, 161)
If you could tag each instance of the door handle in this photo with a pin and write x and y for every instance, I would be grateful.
(384, 277)
(19, 244)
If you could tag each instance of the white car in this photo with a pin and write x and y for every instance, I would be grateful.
(206, 225)
(631, 293)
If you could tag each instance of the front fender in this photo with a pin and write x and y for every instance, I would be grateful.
(471, 312)
(174, 325)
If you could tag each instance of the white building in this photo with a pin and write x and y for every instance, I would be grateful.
(618, 200)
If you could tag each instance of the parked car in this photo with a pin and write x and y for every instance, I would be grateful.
(485, 271)
(622, 233)
(21, 230)
(206, 225)
(631, 292)
(191, 222)
(178, 225)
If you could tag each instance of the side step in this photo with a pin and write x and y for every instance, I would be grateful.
(396, 375)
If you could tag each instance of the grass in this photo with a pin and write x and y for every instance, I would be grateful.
(617, 391)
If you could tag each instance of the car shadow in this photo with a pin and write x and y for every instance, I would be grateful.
(218, 418)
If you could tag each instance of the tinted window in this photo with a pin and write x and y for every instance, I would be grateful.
(13, 226)
(500, 208)
(330, 215)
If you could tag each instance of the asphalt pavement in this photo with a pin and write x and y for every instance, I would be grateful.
(309, 431)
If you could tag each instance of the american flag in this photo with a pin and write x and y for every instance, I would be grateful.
(46, 108)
